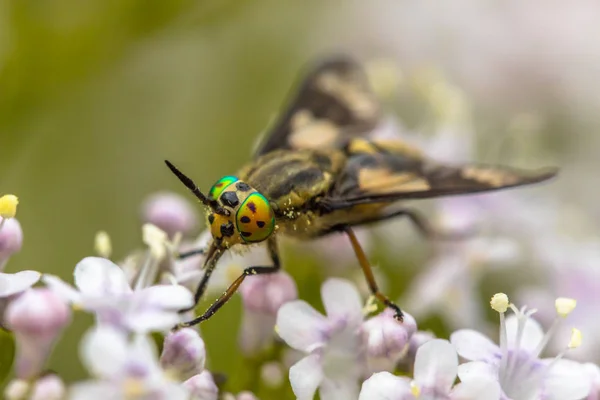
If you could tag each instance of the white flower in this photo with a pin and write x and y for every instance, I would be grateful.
(516, 365)
(435, 370)
(333, 364)
(18, 282)
(103, 289)
(124, 370)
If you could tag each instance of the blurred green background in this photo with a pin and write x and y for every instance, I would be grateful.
(95, 94)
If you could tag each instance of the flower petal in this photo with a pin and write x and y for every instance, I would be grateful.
(95, 276)
(474, 346)
(477, 369)
(341, 299)
(566, 380)
(531, 337)
(482, 388)
(104, 351)
(93, 390)
(345, 388)
(18, 282)
(175, 297)
(152, 321)
(301, 326)
(61, 288)
(436, 365)
(385, 386)
(305, 376)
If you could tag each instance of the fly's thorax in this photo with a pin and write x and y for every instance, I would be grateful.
(251, 218)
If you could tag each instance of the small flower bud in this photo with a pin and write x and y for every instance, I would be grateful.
(266, 293)
(49, 387)
(202, 386)
(386, 337)
(183, 353)
(576, 338)
(37, 317)
(170, 212)
(564, 306)
(16, 389)
(272, 374)
(11, 239)
(102, 244)
(8, 206)
(246, 395)
(499, 302)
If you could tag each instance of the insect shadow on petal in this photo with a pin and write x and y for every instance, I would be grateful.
(317, 172)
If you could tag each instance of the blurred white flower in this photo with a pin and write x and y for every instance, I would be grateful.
(386, 340)
(37, 318)
(183, 353)
(450, 281)
(18, 282)
(123, 369)
(333, 364)
(435, 371)
(202, 387)
(103, 289)
(170, 212)
(262, 296)
(516, 365)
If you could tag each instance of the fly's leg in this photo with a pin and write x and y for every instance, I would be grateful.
(212, 256)
(191, 253)
(256, 270)
(368, 272)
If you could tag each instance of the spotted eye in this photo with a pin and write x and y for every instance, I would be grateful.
(255, 220)
(220, 185)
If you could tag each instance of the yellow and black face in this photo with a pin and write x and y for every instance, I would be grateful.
(251, 218)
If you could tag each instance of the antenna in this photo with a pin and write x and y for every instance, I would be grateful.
(194, 189)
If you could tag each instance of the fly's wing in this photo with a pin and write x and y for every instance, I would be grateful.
(381, 173)
(333, 103)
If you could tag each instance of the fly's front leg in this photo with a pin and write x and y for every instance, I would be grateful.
(368, 272)
(256, 270)
(212, 257)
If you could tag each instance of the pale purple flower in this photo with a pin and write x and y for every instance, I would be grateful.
(11, 239)
(435, 371)
(170, 212)
(450, 280)
(262, 296)
(202, 387)
(183, 353)
(37, 318)
(49, 387)
(516, 365)
(386, 340)
(103, 289)
(571, 270)
(332, 344)
(593, 373)
(123, 369)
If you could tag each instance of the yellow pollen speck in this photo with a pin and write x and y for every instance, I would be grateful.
(564, 306)
(102, 244)
(8, 206)
(370, 305)
(575, 338)
(414, 389)
(499, 302)
(133, 388)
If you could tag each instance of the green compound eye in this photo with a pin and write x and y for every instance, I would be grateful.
(255, 219)
(221, 185)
